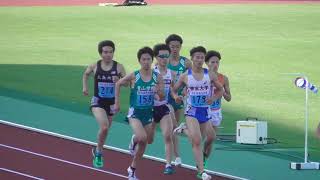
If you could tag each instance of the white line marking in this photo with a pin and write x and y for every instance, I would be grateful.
(111, 148)
(61, 160)
(22, 174)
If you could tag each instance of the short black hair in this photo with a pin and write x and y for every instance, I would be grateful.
(145, 50)
(198, 49)
(174, 37)
(105, 43)
(212, 53)
(159, 47)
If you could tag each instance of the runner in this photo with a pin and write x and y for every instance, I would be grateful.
(106, 73)
(145, 85)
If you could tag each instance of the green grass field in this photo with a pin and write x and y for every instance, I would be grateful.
(44, 50)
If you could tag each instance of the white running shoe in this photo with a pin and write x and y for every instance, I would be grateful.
(132, 146)
(131, 174)
(177, 161)
(180, 128)
(205, 176)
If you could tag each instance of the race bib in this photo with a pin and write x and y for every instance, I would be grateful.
(145, 96)
(198, 100)
(106, 90)
(216, 104)
(144, 100)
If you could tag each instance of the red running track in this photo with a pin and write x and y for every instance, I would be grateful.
(44, 156)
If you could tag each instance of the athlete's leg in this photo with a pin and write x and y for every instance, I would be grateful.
(104, 122)
(166, 129)
(176, 151)
(150, 136)
(140, 139)
(209, 132)
(150, 131)
(215, 121)
(174, 125)
(177, 115)
(195, 137)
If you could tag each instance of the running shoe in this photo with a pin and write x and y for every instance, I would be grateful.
(169, 169)
(131, 174)
(203, 176)
(180, 128)
(177, 161)
(97, 159)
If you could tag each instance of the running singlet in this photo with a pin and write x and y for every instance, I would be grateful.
(217, 103)
(179, 69)
(142, 94)
(198, 91)
(104, 84)
(167, 79)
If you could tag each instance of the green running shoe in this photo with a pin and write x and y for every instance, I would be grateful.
(199, 175)
(97, 159)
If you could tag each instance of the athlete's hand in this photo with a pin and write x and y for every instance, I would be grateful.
(116, 107)
(156, 97)
(210, 100)
(178, 99)
(115, 79)
(85, 91)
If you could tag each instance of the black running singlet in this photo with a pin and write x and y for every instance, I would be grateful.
(104, 85)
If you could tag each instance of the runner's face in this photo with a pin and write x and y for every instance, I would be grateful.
(175, 47)
(107, 53)
(163, 57)
(145, 61)
(198, 59)
(213, 63)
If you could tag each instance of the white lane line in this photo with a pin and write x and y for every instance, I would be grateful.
(110, 148)
(20, 173)
(64, 161)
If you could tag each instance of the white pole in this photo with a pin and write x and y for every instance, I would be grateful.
(305, 164)
(306, 122)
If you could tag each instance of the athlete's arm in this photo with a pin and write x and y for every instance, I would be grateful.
(160, 87)
(226, 87)
(85, 78)
(123, 81)
(188, 63)
(180, 84)
(122, 72)
(218, 91)
(173, 77)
